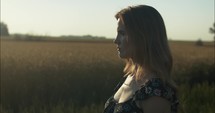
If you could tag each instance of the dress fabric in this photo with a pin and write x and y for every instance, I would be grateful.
(153, 87)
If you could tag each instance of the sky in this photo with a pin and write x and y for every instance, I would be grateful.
(184, 19)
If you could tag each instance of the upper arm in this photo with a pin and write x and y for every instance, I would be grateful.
(155, 105)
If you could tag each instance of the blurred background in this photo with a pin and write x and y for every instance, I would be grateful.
(57, 56)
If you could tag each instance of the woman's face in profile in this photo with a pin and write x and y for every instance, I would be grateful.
(121, 41)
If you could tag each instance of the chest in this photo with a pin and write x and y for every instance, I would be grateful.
(126, 91)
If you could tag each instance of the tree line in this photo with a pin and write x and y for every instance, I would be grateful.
(5, 31)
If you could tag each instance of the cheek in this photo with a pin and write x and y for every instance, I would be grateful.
(128, 48)
(124, 41)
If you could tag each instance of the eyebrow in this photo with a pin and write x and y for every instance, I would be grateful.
(120, 29)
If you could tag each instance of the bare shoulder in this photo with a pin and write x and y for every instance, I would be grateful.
(155, 104)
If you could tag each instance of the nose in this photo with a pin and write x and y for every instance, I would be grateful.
(116, 41)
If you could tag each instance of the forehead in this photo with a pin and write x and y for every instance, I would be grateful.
(121, 25)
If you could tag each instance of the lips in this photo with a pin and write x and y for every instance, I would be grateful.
(118, 49)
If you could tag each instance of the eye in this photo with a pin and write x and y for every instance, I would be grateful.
(121, 33)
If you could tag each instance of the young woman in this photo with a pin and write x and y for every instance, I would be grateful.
(147, 86)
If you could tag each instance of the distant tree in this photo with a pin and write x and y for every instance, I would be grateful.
(199, 42)
(4, 29)
(212, 31)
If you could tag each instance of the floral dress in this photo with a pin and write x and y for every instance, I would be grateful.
(154, 87)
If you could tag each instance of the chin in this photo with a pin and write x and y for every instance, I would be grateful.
(123, 55)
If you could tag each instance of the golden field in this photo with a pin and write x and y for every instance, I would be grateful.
(78, 76)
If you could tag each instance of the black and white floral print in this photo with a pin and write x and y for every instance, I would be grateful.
(153, 87)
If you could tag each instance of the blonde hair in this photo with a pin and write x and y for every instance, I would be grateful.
(147, 35)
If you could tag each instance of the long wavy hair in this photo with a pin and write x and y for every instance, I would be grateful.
(147, 35)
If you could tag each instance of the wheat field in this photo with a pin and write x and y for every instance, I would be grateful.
(78, 76)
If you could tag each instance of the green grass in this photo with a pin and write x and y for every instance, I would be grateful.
(198, 99)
